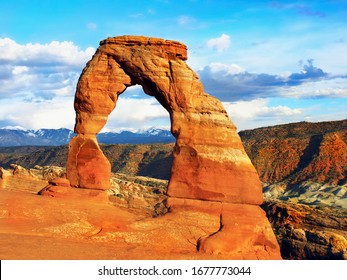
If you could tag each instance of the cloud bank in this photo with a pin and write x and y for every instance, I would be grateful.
(232, 83)
(38, 81)
(40, 71)
(258, 111)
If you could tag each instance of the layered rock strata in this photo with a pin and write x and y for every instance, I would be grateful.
(306, 232)
(209, 166)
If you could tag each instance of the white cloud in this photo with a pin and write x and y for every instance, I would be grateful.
(37, 82)
(30, 84)
(257, 112)
(217, 68)
(332, 87)
(55, 113)
(229, 82)
(18, 70)
(220, 44)
(131, 113)
(55, 53)
(40, 70)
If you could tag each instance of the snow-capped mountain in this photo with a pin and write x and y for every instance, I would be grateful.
(18, 136)
(152, 135)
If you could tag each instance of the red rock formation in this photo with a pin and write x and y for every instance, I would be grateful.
(244, 230)
(87, 167)
(299, 152)
(21, 179)
(209, 161)
(208, 148)
(306, 232)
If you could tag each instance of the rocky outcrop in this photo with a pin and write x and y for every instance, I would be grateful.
(306, 232)
(303, 232)
(301, 162)
(243, 231)
(18, 178)
(299, 152)
(209, 161)
(60, 187)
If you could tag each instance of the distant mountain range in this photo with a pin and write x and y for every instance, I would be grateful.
(304, 162)
(17, 136)
(284, 155)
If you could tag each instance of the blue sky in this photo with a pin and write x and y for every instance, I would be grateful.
(269, 62)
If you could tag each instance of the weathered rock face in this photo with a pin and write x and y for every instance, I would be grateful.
(306, 232)
(299, 152)
(17, 178)
(209, 161)
(87, 167)
(301, 162)
(244, 232)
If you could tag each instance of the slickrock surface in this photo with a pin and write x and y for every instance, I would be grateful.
(42, 227)
(32, 180)
(69, 227)
(209, 161)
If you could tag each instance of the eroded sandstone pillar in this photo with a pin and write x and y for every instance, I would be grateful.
(87, 165)
(210, 166)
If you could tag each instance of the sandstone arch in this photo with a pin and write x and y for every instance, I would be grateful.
(208, 149)
(209, 165)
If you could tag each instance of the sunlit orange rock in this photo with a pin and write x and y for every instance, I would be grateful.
(209, 161)
(244, 231)
(87, 167)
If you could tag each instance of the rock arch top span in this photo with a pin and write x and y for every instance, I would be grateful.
(209, 160)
